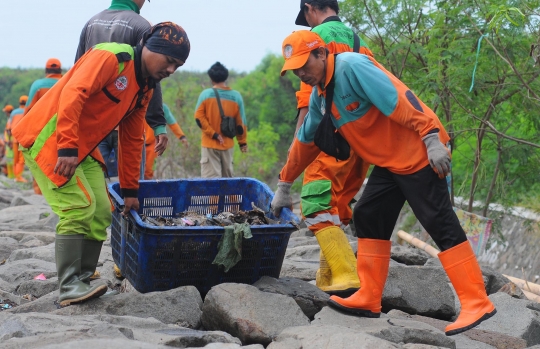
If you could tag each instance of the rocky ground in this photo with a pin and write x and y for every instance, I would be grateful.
(285, 313)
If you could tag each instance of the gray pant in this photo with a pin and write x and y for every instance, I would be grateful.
(216, 163)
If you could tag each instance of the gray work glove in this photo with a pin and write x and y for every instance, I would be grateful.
(438, 155)
(282, 198)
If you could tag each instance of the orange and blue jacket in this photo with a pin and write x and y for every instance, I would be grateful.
(171, 122)
(208, 117)
(338, 39)
(103, 89)
(381, 119)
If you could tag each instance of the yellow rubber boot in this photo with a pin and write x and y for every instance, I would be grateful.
(323, 278)
(10, 170)
(340, 258)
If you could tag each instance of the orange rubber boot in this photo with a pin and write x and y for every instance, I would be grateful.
(18, 170)
(373, 260)
(462, 268)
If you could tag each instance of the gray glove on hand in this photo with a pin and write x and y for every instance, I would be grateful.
(438, 155)
(282, 198)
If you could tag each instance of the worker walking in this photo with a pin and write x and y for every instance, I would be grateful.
(150, 141)
(221, 117)
(8, 108)
(15, 165)
(110, 85)
(382, 120)
(330, 185)
(53, 72)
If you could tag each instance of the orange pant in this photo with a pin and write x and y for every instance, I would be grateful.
(328, 188)
(150, 159)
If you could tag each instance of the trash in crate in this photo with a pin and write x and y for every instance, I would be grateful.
(256, 216)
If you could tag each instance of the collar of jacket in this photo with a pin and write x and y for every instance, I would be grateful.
(126, 5)
(330, 64)
(138, 70)
(331, 19)
(53, 76)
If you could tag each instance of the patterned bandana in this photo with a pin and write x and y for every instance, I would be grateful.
(168, 39)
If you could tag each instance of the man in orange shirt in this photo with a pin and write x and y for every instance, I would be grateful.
(217, 149)
(15, 169)
(110, 85)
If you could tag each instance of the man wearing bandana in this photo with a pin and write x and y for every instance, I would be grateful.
(109, 85)
(122, 23)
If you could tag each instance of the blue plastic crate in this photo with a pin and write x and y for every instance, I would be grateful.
(162, 258)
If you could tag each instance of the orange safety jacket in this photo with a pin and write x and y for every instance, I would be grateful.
(104, 89)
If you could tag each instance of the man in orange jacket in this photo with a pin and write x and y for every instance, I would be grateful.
(53, 72)
(15, 169)
(150, 140)
(109, 85)
(330, 185)
(357, 104)
(8, 108)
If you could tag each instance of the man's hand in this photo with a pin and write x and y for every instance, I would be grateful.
(184, 141)
(438, 155)
(244, 148)
(220, 140)
(161, 143)
(130, 203)
(66, 166)
(282, 198)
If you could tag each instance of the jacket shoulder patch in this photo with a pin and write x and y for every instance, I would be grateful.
(414, 101)
(123, 57)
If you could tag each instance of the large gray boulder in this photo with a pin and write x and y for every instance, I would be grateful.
(21, 236)
(180, 306)
(326, 337)
(308, 297)
(419, 290)
(7, 246)
(515, 317)
(18, 271)
(253, 316)
(493, 280)
(38, 288)
(303, 270)
(408, 255)
(393, 330)
(44, 253)
(34, 330)
(20, 215)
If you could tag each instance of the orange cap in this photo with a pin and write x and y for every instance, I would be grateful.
(8, 108)
(297, 47)
(53, 63)
(23, 99)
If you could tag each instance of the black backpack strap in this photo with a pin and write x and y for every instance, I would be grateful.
(219, 103)
(330, 92)
(356, 47)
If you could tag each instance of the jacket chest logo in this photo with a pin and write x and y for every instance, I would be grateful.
(121, 83)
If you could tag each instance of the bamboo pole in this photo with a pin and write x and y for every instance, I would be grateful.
(525, 285)
(531, 296)
(433, 252)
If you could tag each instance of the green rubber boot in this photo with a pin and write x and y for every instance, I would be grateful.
(90, 255)
(68, 250)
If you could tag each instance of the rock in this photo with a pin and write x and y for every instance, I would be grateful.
(419, 290)
(104, 343)
(7, 246)
(308, 297)
(44, 253)
(310, 252)
(46, 237)
(6, 196)
(302, 232)
(18, 201)
(21, 215)
(471, 339)
(45, 304)
(245, 312)
(47, 222)
(183, 337)
(6, 286)
(513, 291)
(32, 243)
(326, 337)
(230, 346)
(419, 346)
(515, 317)
(408, 256)
(38, 288)
(180, 306)
(495, 280)
(393, 330)
(28, 200)
(302, 241)
(18, 271)
(303, 270)
(433, 262)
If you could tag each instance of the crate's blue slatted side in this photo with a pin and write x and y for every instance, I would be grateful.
(157, 198)
(116, 236)
(158, 260)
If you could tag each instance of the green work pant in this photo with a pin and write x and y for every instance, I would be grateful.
(82, 204)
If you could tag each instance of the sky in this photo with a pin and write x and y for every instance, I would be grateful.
(238, 33)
